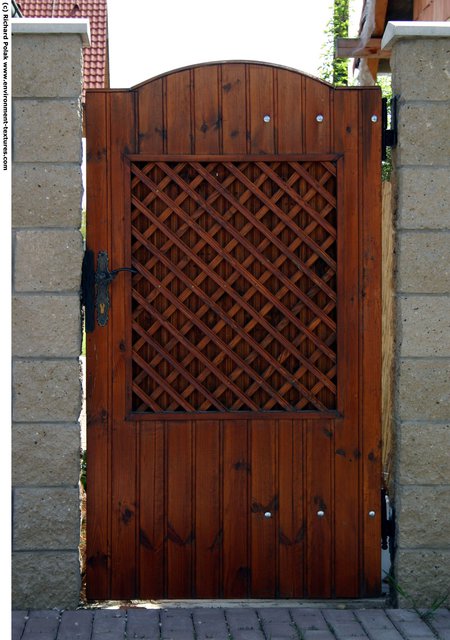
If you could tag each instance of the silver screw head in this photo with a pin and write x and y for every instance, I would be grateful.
(371, 514)
(266, 118)
(267, 515)
(319, 117)
(321, 513)
(374, 118)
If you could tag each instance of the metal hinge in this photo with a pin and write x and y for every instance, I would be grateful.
(389, 136)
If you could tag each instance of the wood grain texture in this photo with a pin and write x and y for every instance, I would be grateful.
(239, 372)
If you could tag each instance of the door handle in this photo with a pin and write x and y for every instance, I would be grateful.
(95, 288)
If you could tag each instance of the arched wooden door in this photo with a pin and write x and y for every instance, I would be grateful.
(234, 382)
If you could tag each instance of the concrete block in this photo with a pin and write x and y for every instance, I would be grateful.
(423, 260)
(45, 580)
(421, 68)
(46, 325)
(424, 325)
(423, 451)
(423, 389)
(48, 66)
(45, 454)
(46, 195)
(46, 519)
(424, 574)
(423, 516)
(46, 390)
(423, 133)
(417, 188)
(46, 130)
(48, 260)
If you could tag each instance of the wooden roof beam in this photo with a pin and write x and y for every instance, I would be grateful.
(351, 48)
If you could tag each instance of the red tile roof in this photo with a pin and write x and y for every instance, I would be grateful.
(95, 72)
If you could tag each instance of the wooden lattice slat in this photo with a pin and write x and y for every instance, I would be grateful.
(234, 302)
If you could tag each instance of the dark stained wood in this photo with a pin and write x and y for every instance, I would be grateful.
(180, 509)
(152, 527)
(264, 500)
(370, 380)
(291, 525)
(239, 370)
(319, 440)
(236, 531)
(124, 442)
(208, 507)
(347, 447)
(98, 387)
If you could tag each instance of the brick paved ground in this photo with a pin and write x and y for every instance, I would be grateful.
(243, 623)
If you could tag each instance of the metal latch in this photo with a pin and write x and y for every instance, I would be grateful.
(95, 288)
(389, 136)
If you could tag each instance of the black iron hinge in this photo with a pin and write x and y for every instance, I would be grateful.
(389, 136)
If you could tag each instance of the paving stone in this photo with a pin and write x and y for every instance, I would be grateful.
(318, 635)
(42, 624)
(377, 625)
(275, 614)
(409, 624)
(309, 620)
(344, 624)
(143, 624)
(76, 625)
(210, 623)
(174, 622)
(18, 622)
(281, 630)
(109, 625)
(244, 624)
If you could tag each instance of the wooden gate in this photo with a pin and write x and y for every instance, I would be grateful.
(234, 382)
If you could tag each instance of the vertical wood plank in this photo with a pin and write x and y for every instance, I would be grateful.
(370, 382)
(151, 509)
(178, 112)
(264, 499)
(318, 99)
(97, 366)
(124, 569)
(208, 527)
(290, 111)
(319, 498)
(236, 509)
(180, 509)
(347, 447)
(207, 118)
(152, 133)
(291, 530)
(261, 92)
(234, 123)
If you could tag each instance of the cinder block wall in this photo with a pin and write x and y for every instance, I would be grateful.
(421, 79)
(46, 341)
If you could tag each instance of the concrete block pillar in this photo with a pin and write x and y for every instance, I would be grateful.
(46, 342)
(421, 80)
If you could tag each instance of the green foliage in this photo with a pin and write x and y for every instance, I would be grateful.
(335, 70)
(83, 464)
(384, 82)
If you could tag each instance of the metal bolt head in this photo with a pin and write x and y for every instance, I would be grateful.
(266, 118)
(267, 515)
(319, 117)
(371, 514)
(374, 118)
(321, 513)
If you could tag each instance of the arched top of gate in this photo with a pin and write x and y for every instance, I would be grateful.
(220, 64)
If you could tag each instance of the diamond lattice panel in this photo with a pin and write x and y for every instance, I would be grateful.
(234, 303)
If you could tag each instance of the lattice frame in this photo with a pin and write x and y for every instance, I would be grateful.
(234, 302)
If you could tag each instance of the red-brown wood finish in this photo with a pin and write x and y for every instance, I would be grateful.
(233, 398)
